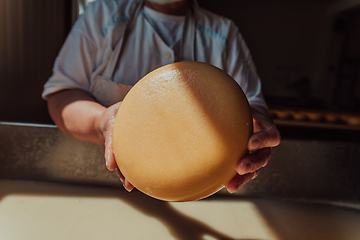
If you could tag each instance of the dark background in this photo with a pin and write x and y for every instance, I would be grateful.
(32, 33)
(306, 52)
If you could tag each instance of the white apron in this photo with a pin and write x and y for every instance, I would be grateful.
(105, 90)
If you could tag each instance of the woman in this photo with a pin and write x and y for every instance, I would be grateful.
(117, 42)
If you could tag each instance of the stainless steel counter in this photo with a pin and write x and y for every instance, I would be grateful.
(300, 169)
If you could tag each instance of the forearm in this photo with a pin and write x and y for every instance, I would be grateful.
(76, 113)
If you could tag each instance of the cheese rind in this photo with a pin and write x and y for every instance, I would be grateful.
(181, 130)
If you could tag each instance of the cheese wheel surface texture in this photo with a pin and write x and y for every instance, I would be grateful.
(181, 130)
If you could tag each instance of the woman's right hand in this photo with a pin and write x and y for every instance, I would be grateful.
(106, 126)
(77, 114)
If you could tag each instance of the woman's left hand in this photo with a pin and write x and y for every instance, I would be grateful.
(260, 143)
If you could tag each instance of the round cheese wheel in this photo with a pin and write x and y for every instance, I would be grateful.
(181, 130)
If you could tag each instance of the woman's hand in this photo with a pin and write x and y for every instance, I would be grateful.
(77, 114)
(106, 125)
(260, 143)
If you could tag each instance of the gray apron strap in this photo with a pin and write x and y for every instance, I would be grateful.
(188, 39)
(111, 65)
(105, 90)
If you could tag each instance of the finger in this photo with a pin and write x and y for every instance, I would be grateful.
(121, 176)
(238, 181)
(127, 185)
(260, 120)
(109, 153)
(269, 137)
(256, 173)
(106, 126)
(253, 161)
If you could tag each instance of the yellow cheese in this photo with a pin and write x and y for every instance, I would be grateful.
(181, 130)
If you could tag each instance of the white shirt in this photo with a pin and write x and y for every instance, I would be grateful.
(92, 40)
(169, 27)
